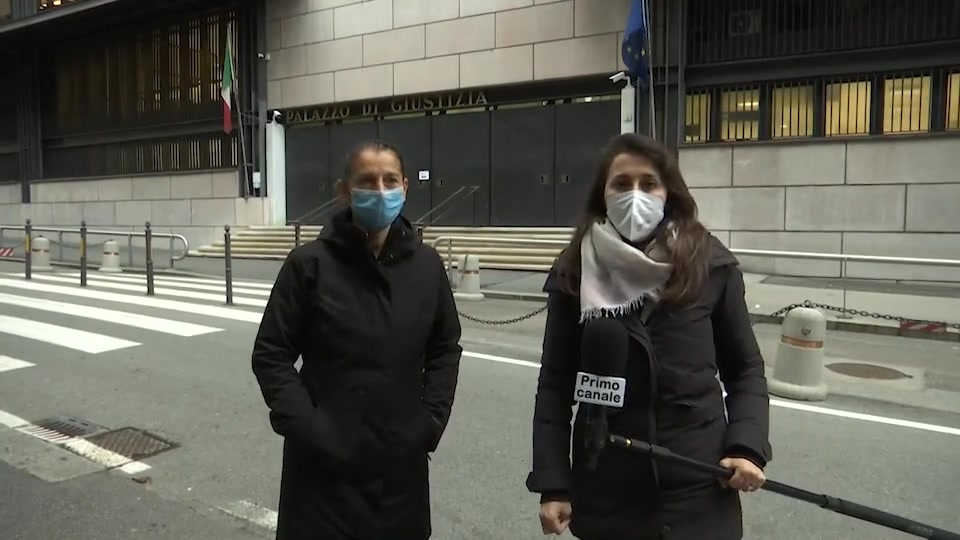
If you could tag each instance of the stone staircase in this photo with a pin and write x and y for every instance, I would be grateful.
(275, 242)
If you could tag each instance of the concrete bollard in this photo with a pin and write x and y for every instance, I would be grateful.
(110, 263)
(40, 254)
(798, 371)
(469, 288)
(456, 271)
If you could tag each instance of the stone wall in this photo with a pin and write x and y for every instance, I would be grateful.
(324, 51)
(196, 205)
(890, 197)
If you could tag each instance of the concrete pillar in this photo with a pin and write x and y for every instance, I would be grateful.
(40, 255)
(110, 263)
(798, 370)
(469, 288)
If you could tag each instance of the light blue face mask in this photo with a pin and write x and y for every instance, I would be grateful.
(375, 210)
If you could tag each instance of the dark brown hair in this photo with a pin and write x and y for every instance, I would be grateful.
(690, 250)
(375, 145)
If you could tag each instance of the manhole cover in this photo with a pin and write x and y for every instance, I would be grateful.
(68, 426)
(132, 443)
(867, 371)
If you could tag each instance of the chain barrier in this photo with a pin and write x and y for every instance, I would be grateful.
(860, 313)
(782, 311)
(504, 321)
(70, 245)
(5, 244)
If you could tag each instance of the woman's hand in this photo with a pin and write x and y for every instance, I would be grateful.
(746, 476)
(555, 516)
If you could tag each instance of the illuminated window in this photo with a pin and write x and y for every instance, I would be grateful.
(792, 112)
(953, 102)
(697, 125)
(740, 115)
(906, 105)
(848, 108)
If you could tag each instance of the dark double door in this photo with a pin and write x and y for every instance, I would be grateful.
(525, 166)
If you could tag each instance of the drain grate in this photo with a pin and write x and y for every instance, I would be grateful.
(61, 428)
(868, 371)
(134, 444)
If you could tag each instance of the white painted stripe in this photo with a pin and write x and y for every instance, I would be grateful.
(142, 280)
(70, 338)
(156, 324)
(777, 403)
(268, 285)
(161, 291)
(102, 456)
(11, 421)
(145, 301)
(82, 447)
(9, 364)
(254, 513)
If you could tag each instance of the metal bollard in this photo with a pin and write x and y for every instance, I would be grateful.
(419, 228)
(296, 234)
(228, 263)
(798, 370)
(28, 250)
(148, 233)
(40, 259)
(469, 288)
(110, 262)
(83, 253)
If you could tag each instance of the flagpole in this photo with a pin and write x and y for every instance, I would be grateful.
(651, 86)
(231, 32)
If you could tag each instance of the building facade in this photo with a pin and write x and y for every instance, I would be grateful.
(110, 113)
(800, 124)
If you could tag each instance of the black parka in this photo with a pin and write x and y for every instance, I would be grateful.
(379, 338)
(673, 399)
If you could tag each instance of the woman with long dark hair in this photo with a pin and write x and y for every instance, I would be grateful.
(640, 255)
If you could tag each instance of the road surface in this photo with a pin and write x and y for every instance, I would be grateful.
(184, 376)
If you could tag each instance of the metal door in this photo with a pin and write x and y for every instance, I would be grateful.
(521, 166)
(412, 137)
(460, 179)
(307, 164)
(583, 130)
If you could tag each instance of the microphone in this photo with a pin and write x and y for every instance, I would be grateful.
(600, 384)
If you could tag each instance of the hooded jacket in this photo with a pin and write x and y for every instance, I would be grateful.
(379, 338)
(673, 400)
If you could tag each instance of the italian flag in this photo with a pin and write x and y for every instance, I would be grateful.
(226, 84)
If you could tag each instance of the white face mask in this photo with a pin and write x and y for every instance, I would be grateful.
(635, 214)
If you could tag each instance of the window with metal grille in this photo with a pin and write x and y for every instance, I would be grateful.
(697, 125)
(847, 107)
(953, 102)
(906, 104)
(740, 114)
(792, 114)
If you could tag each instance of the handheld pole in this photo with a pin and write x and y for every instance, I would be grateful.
(840, 506)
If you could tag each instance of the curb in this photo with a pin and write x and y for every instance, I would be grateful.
(843, 326)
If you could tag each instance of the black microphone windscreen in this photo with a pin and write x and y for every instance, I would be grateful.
(603, 347)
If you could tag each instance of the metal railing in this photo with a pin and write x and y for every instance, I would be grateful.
(843, 258)
(82, 232)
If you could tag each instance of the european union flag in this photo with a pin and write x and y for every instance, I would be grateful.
(634, 48)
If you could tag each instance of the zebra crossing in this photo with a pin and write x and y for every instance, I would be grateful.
(36, 310)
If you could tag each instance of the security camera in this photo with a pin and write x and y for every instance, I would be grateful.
(276, 116)
(622, 76)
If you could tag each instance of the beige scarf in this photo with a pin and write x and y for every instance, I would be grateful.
(616, 277)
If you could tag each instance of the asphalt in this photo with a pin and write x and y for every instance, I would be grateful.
(199, 393)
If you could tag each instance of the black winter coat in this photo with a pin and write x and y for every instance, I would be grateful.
(379, 338)
(674, 400)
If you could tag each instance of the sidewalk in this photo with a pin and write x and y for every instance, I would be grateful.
(768, 294)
